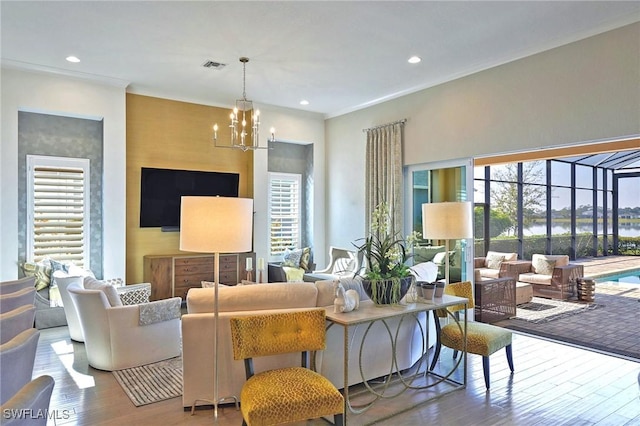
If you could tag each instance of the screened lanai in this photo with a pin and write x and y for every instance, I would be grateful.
(582, 205)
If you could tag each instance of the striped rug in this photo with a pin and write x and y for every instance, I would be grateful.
(153, 382)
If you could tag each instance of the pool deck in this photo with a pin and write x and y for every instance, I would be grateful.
(612, 327)
(596, 267)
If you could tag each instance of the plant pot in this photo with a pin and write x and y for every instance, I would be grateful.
(386, 292)
(428, 291)
(439, 289)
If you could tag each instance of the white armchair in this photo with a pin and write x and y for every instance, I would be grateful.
(342, 262)
(143, 291)
(118, 337)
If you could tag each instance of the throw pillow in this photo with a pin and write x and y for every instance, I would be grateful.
(108, 290)
(292, 258)
(305, 259)
(544, 266)
(440, 257)
(41, 270)
(135, 296)
(116, 282)
(493, 261)
(58, 266)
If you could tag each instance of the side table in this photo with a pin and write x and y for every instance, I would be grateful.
(495, 299)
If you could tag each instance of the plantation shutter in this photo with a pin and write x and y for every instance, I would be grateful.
(59, 209)
(284, 212)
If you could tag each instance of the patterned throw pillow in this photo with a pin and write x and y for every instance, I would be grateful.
(493, 261)
(544, 266)
(305, 259)
(135, 296)
(292, 258)
(41, 270)
(58, 266)
(116, 282)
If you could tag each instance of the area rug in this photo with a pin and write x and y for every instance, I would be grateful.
(541, 310)
(153, 382)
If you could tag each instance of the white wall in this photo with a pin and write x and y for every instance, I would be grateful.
(295, 127)
(581, 92)
(47, 93)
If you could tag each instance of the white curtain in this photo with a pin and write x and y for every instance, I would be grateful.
(384, 172)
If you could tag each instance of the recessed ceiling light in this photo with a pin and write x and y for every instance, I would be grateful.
(73, 59)
(414, 59)
(304, 102)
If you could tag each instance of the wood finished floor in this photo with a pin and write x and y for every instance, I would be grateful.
(553, 384)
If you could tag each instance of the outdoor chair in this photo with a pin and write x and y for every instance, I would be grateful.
(288, 394)
(482, 339)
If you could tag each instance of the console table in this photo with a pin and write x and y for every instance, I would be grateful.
(173, 275)
(368, 313)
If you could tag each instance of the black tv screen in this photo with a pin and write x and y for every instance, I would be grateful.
(161, 189)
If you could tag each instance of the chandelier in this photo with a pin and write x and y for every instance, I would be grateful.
(244, 124)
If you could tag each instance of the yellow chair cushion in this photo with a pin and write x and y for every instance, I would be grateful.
(288, 395)
(482, 339)
(273, 334)
(462, 289)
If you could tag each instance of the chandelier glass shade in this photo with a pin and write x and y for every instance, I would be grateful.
(244, 124)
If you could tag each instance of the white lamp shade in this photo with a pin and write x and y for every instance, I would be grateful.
(216, 224)
(447, 221)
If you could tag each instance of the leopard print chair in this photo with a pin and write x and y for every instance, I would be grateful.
(482, 339)
(285, 394)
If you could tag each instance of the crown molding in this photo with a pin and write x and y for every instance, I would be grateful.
(26, 66)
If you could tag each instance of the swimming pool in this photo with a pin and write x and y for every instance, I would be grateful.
(628, 277)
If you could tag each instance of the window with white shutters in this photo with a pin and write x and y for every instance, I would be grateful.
(284, 212)
(58, 209)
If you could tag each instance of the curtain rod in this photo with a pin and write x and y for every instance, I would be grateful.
(404, 120)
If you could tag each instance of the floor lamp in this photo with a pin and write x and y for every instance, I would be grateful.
(216, 225)
(447, 221)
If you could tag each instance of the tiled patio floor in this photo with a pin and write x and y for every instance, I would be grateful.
(613, 327)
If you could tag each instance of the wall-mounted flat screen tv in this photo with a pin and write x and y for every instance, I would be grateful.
(161, 189)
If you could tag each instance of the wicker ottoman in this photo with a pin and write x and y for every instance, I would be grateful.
(524, 293)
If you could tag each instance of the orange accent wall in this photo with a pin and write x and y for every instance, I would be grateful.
(173, 135)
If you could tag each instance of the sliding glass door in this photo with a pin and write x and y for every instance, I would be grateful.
(434, 183)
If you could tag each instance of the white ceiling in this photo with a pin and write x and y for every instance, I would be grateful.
(340, 56)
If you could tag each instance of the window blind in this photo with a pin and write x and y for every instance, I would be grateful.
(59, 212)
(284, 212)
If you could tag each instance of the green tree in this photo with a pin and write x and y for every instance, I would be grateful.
(504, 192)
(498, 222)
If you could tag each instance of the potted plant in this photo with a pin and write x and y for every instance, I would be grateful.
(387, 278)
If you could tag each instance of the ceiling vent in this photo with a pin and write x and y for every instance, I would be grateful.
(214, 65)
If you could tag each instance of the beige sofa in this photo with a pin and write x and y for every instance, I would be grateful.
(198, 329)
